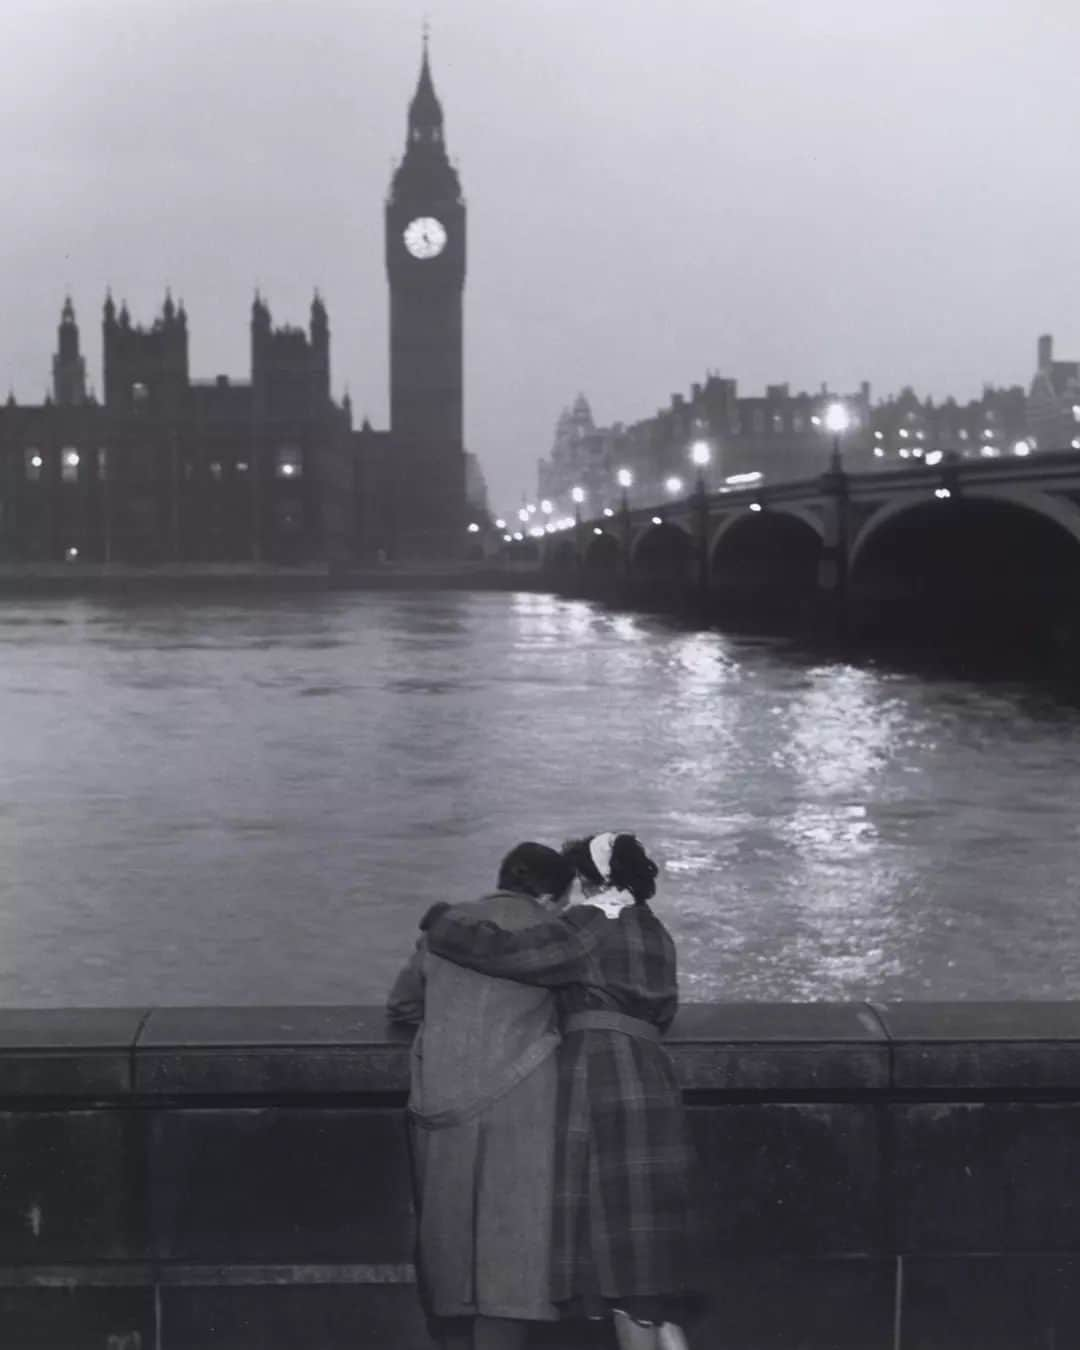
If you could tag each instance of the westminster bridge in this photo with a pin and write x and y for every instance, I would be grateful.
(986, 548)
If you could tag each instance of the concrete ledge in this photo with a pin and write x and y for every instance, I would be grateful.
(984, 1046)
(76, 1052)
(819, 1049)
(894, 1176)
(270, 1050)
(779, 1047)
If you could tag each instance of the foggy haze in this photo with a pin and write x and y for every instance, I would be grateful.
(778, 190)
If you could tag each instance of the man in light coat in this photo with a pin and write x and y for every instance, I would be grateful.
(482, 1122)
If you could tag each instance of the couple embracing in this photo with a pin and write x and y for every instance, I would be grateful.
(554, 1177)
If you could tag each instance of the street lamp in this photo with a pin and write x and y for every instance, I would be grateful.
(837, 420)
(674, 485)
(700, 455)
(546, 507)
(577, 496)
(624, 478)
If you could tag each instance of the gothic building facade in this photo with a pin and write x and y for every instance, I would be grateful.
(166, 468)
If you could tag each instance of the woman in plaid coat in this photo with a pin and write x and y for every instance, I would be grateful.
(624, 1235)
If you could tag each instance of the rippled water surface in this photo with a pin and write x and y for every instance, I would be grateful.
(252, 802)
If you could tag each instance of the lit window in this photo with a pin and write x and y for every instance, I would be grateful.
(879, 435)
(102, 463)
(35, 462)
(962, 434)
(903, 433)
(216, 470)
(879, 452)
(139, 392)
(241, 466)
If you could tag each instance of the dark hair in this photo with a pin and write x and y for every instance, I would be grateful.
(631, 867)
(534, 869)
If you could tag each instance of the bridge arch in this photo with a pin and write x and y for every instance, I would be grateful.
(779, 542)
(995, 566)
(763, 566)
(602, 552)
(560, 555)
(1058, 510)
(732, 519)
(662, 551)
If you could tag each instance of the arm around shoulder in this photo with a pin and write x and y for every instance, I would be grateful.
(551, 952)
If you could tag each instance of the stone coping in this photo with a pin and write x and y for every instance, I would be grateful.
(821, 1049)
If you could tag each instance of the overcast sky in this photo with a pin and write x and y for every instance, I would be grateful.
(778, 190)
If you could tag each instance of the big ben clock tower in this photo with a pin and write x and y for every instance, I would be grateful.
(425, 263)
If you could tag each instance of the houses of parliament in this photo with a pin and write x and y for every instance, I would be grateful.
(166, 468)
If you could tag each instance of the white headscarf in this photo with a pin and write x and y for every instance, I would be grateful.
(601, 847)
(600, 850)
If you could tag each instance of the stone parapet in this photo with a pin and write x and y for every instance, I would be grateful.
(900, 1176)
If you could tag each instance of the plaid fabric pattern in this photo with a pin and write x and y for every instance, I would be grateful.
(625, 1218)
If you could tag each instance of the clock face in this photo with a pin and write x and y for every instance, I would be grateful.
(425, 237)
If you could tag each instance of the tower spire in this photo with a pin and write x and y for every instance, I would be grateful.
(425, 111)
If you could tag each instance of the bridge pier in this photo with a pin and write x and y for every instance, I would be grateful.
(830, 616)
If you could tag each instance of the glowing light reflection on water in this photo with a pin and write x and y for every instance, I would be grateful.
(253, 802)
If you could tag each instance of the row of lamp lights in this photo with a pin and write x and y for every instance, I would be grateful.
(837, 420)
(699, 455)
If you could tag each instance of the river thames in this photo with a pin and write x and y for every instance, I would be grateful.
(253, 801)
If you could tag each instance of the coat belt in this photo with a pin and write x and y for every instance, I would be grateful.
(602, 1019)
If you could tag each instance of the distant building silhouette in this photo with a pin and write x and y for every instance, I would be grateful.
(784, 437)
(907, 428)
(781, 430)
(1054, 400)
(167, 468)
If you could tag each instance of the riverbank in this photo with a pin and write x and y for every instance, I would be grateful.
(23, 579)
